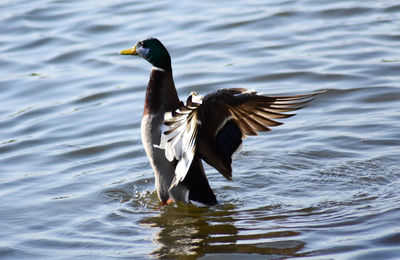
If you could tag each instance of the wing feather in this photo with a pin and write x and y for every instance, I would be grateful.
(180, 139)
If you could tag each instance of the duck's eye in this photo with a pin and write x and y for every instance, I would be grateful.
(140, 43)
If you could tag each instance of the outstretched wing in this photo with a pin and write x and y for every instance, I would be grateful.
(214, 126)
(235, 114)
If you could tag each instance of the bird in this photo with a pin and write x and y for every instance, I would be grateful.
(178, 136)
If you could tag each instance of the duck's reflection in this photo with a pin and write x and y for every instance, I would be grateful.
(190, 232)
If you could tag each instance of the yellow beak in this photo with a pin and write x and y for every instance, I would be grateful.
(131, 51)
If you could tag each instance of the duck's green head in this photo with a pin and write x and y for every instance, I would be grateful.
(153, 51)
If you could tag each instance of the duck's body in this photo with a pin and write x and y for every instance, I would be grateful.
(209, 128)
(152, 121)
(161, 84)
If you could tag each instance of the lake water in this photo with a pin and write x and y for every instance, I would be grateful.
(75, 182)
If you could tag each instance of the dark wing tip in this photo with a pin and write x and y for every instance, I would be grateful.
(255, 113)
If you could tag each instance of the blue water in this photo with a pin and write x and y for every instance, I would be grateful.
(75, 182)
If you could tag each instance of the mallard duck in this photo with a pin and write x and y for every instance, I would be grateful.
(178, 136)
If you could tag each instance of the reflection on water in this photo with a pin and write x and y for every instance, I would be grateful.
(192, 231)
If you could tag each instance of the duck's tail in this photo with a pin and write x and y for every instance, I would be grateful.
(197, 183)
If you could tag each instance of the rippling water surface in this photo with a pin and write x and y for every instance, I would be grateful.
(74, 179)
